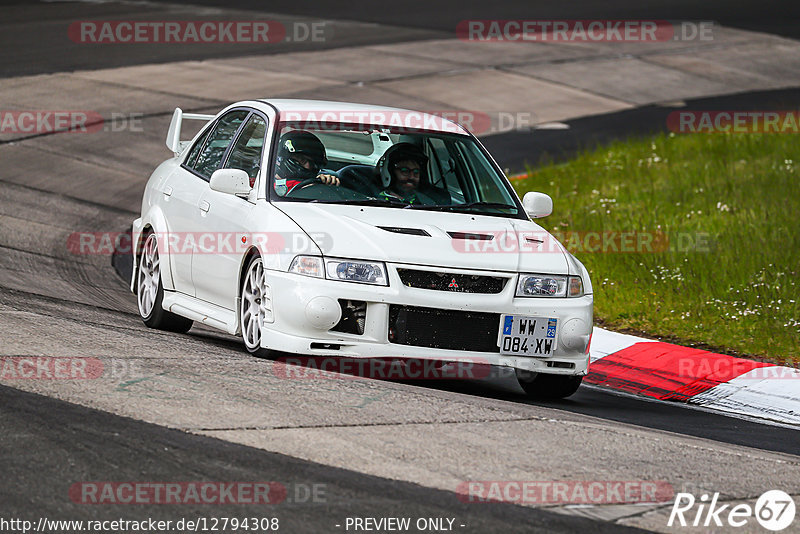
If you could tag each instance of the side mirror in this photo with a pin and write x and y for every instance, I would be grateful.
(231, 181)
(537, 205)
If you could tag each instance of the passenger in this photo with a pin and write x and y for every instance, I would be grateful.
(402, 168)
(301, 156)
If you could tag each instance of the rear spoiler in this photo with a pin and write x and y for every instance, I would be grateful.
(174, 142)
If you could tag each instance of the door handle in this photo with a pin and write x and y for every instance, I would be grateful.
(205, 206)
(168, 191)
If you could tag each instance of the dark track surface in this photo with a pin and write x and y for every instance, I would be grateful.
(671, 417)
(35, 37)
(515, 150)
(35, 43)
(56, 444)
(779, 17)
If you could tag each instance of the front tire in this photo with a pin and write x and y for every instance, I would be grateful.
(150, 292)
(253, 308)
(548, 387)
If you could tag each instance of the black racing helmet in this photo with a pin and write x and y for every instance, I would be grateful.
(397, 153)
(299, 142)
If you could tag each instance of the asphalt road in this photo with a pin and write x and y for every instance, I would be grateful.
(518, 149)
(36, 41)
(50, 445)
(774, 17)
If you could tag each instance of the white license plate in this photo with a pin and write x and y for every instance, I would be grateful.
(523, 335)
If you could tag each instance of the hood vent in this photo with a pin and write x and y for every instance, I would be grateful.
(408, 231)
(467, 235)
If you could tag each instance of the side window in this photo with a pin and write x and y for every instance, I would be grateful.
(491, 189)
(246, 151)
(210, 156)
(192, 158)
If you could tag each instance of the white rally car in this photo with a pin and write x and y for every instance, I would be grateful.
(333, 229)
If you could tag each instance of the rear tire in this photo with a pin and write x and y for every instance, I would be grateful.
(150, 292)
(252, 310)
(548, 387)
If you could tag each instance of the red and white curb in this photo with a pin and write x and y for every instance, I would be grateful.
(713, 381)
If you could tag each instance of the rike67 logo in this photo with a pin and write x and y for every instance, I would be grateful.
(774, 510)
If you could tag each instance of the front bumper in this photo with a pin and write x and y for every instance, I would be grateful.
(305, 308)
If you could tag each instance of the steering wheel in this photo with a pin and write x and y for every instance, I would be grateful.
(357, 183)
(326, 192)
(350, 181)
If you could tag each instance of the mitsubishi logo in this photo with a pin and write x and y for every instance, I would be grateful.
(453, 284)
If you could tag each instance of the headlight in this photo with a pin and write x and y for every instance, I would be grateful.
(363, 272)
(308, 266)
(549, 285)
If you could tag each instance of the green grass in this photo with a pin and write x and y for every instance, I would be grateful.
(729, 206)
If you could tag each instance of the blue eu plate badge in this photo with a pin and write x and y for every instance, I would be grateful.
(509, 322)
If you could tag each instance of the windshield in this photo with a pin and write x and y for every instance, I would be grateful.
(385, 166)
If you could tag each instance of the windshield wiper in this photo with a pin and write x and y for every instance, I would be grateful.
(390, 202)
(497, 205)
(458, 207)
(363, 202)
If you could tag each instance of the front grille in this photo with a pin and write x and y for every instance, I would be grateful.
(456, 283)
(443, 329)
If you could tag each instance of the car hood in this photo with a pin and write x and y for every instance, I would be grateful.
(490, 243)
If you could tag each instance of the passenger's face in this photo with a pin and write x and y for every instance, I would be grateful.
(406, 174)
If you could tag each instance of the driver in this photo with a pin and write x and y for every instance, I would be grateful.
(300, 157)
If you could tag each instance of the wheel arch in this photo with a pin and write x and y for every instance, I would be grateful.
(246, 259)
(155, 222)
(137, 251)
